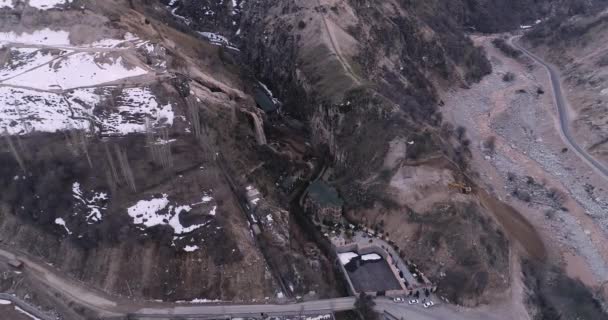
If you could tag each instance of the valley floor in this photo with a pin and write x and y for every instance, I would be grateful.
(518, 152)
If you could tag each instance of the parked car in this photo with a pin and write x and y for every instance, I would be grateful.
(398, 300)
(413, 301)
(428, 304)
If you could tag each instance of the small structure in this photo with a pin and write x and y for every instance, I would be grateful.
(324, 203)
(253, 196)
(17, 264)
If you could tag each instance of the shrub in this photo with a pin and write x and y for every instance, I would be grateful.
(508, 77)
(506, 48)
(490, 144)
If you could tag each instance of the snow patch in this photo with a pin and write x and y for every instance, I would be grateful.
(4, 302)
(159, 211)
(78, 70)
(190, 248)
(93, 206)
(346, 257)
(47, 4)
(25, 111)
(24, 59)
(61, 222)
(198, 300)
(45, 36)
(319, 317)
(371, 257)
(134, 105)
(6, 4)
(218, 40)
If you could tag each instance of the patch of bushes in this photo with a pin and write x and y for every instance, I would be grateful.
(490, 145)
(506, 48)
(423, 144)
(554, 295)
(522, 195)
(508, 77)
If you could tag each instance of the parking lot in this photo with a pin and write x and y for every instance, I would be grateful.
(372, 276)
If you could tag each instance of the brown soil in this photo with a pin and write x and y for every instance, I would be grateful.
(517, 227)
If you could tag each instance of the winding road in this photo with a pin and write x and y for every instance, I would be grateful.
(110, 307)
(562, 108)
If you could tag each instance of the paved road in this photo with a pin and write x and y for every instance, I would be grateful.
(110, 306)
(562, 104)
(441, 312)
(310, 307)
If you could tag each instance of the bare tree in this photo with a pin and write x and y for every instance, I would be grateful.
(84, 144)
(151, 141)
(114, 178)
(112, 183)
(195, 119)
(125, 168)
(16, 154)
(159, 147)
(77, 141)
(165, 149)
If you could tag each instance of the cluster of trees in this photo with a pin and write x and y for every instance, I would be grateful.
(43, 190)
(506, 48)
(159, 146)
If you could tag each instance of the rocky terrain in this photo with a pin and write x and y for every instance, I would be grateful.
(110, 153)
(520, 156)
(576, 45)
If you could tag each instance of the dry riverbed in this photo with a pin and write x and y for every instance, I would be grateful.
(519, 154)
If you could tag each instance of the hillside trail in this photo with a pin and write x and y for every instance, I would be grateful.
(335, 46)
(130, 82)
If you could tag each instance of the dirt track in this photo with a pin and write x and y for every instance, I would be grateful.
(336, 48)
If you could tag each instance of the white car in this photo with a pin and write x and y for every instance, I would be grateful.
(413, 301)
(398, 300)
(428, 304)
